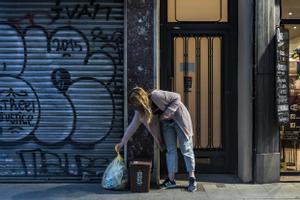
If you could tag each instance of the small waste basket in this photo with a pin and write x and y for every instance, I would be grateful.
(140, 176)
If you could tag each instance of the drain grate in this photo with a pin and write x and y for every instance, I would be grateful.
(200, 188)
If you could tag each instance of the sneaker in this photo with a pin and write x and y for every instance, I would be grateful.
(192, 184)
(167, 184)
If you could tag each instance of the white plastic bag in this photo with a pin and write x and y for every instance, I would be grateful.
(115, 176)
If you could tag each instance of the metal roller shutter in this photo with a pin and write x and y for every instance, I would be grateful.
(61, 88)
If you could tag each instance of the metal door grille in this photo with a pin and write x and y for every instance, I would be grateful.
(197, 76)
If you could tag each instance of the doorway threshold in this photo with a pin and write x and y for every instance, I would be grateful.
(212, 178)
(290, 178)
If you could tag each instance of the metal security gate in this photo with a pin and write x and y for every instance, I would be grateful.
(61, 88)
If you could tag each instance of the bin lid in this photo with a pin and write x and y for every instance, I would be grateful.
(138, 162)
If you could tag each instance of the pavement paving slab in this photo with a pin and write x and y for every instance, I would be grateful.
(209, 188)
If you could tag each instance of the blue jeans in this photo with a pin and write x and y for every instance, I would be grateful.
(171, 131)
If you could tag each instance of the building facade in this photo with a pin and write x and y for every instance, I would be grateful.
(67, 67)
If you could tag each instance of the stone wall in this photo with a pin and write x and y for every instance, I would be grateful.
(140, 60)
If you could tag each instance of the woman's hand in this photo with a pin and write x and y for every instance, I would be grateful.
(164, 116)
(119, 146)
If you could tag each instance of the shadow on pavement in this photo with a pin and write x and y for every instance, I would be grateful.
(66, 190)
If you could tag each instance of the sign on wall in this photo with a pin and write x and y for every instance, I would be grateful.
(282, 75)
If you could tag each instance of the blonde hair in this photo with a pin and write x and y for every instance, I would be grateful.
(138, 97)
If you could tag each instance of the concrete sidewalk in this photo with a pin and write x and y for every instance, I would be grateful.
(213, 187)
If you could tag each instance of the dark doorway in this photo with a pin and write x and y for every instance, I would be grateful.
(198, 61)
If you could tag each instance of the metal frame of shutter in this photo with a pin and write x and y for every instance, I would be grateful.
(62, 87)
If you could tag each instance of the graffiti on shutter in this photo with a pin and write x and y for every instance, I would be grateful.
(61, 86)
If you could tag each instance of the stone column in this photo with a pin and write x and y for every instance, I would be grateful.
(267, 161)
(245, 110)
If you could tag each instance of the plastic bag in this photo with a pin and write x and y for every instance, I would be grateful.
(115, 176)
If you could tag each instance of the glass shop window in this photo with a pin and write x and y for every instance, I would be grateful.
(290, 133)
(290, 9)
